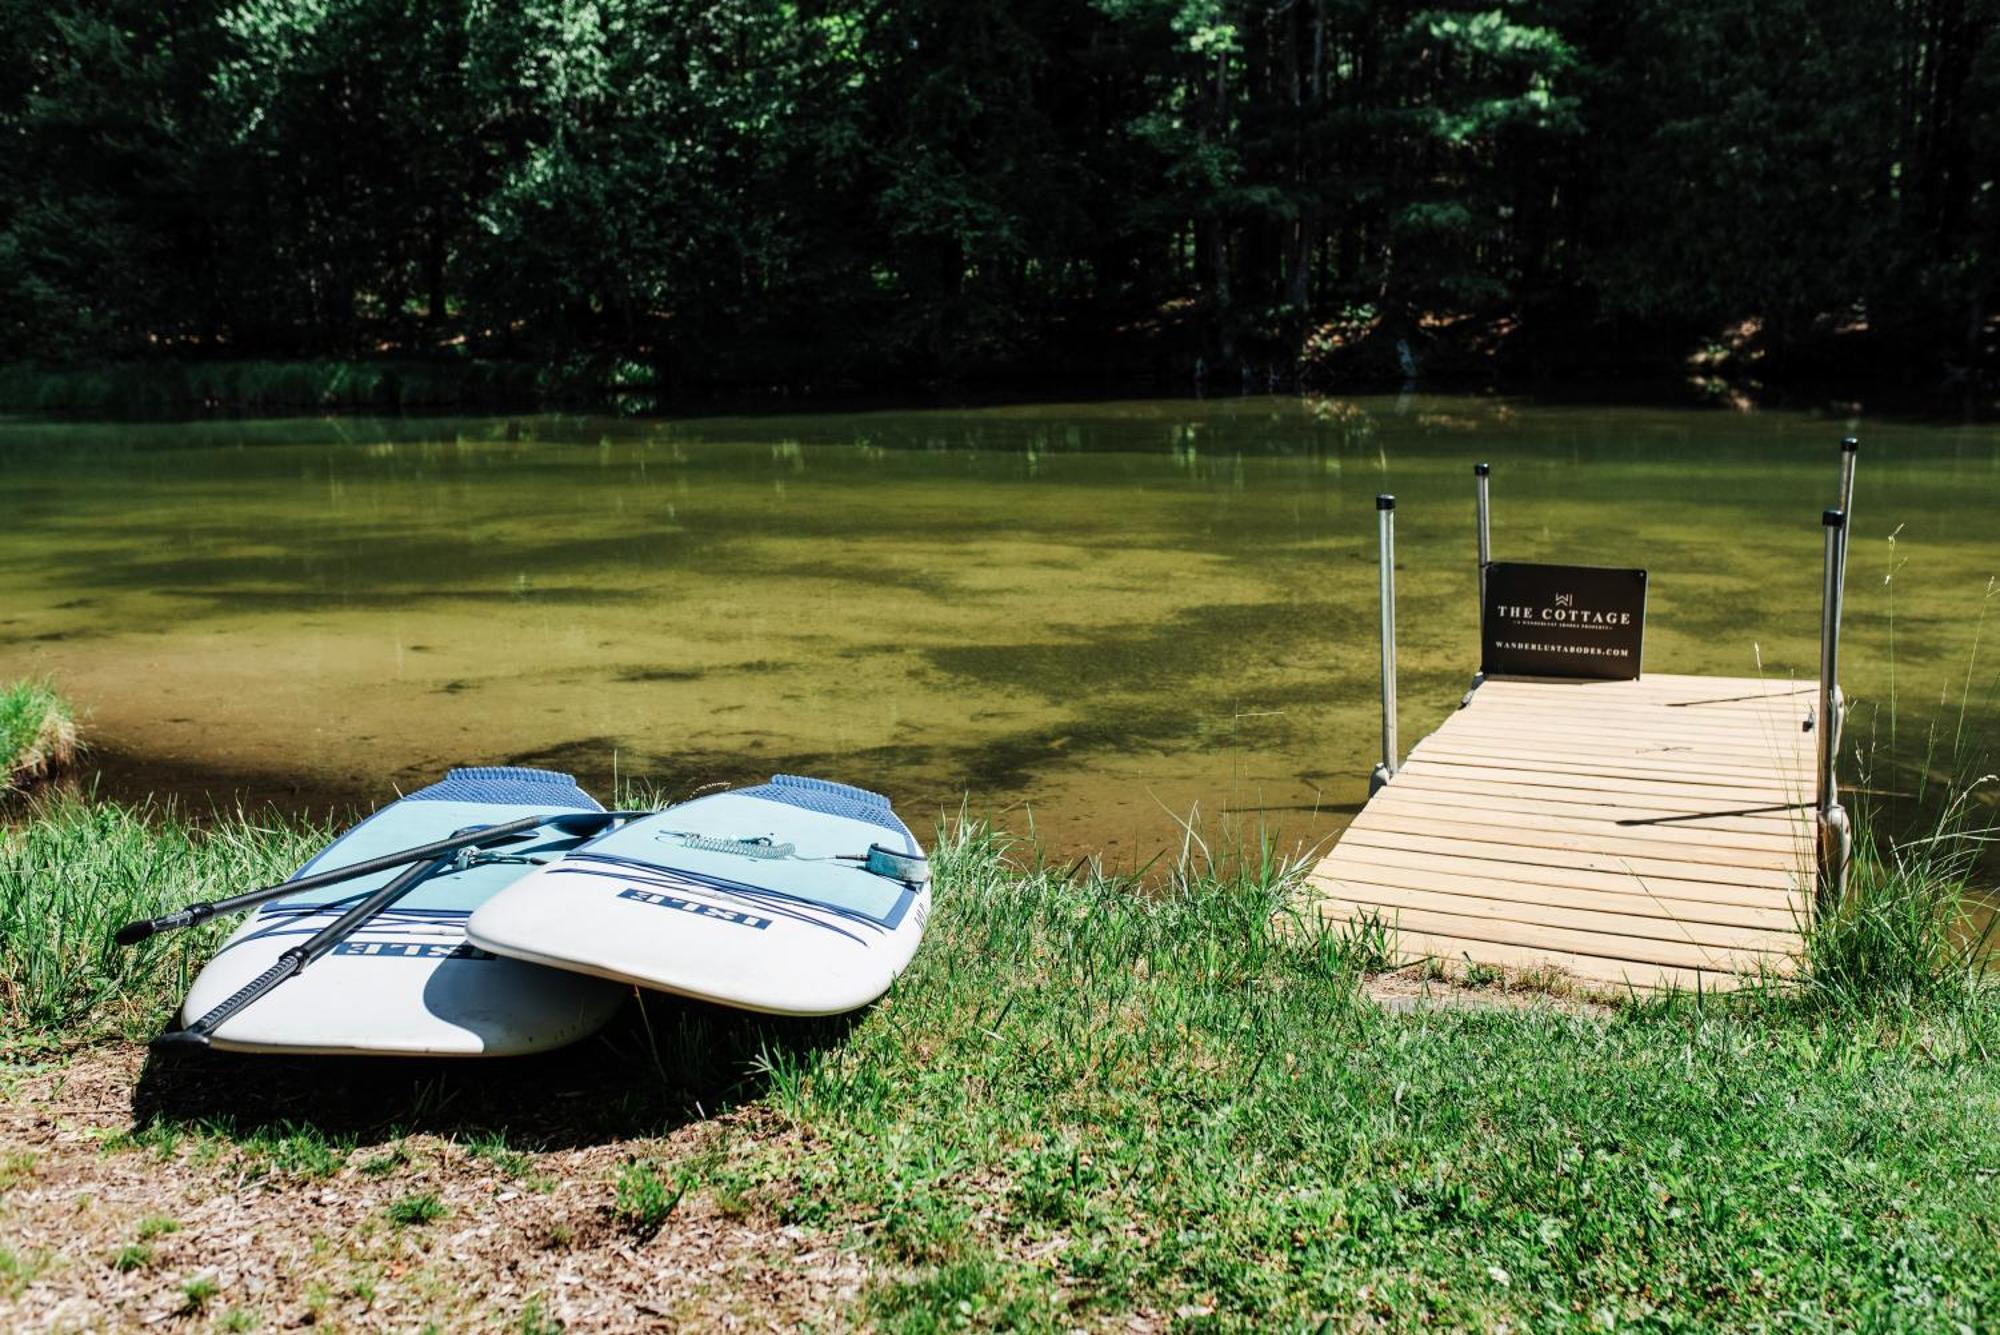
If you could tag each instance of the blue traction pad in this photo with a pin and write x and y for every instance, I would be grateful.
(511, 785)
(830, 799)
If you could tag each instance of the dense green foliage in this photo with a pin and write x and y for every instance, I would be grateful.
(765, 191)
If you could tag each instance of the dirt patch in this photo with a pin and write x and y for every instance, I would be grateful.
(107, 1222)
(1414, 989)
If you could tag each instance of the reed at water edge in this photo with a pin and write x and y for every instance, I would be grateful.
(1913, 926)
(38, 737)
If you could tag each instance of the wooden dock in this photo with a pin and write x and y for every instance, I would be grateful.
(1649, 833)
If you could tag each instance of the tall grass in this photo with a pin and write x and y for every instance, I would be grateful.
(1912, 927)
(73, 870)
(38, 737)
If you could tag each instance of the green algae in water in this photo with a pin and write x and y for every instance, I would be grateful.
(1092, 619)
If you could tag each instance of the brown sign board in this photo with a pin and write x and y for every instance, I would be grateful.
(1562, 621)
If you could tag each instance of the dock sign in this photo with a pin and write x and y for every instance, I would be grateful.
(1562, 621)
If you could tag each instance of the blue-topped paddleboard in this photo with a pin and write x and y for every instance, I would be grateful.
(795, 897)
(408, 982)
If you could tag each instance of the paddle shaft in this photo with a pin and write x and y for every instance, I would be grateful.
(134, 932)
(295, 960)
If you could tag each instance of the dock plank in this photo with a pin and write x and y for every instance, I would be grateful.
(1649, 834)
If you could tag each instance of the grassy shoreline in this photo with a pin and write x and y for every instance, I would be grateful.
(1084, 1105)
(38, 737)
(171, 388)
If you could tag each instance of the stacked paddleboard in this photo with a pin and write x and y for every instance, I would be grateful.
(407, 981)
(794, 897)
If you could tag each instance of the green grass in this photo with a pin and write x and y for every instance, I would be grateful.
(1908, 929)
(37, 733)
(73, 870)
(18, 1270)
(390, 1161)
(642, 1198)
(416, 1210)
(1084, 1100)
(1088, 1098)
(197, 1294)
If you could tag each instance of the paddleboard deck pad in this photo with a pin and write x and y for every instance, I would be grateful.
(408, 982)
(794, 897)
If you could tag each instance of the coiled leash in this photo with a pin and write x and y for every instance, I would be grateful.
(913, 869)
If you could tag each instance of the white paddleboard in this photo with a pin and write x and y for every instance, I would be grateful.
(408, 982)
(762, 899)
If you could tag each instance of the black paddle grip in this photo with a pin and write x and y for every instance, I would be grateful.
(132, 933)
(198, 1032)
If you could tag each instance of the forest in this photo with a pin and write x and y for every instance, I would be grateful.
(818, 193)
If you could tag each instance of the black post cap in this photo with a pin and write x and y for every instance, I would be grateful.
(1834, 519)
(1385, 502)
(1849, 444)
(1481, 470)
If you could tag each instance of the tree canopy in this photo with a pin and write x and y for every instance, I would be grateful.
(809, 192)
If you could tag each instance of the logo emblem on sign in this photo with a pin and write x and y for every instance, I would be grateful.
(1565, 600)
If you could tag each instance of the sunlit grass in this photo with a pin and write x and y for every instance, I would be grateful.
(1085, 1100)
(73, 870)
(37, 733)
(1093, 1096)
(1910, 928)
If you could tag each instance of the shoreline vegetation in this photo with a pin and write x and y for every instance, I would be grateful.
(169, 389)
(395, 384)
(38, 735)
(1088, 1102)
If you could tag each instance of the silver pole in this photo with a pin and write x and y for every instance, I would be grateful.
(1385, 513)
(1484, 508)
(1835, 837)
(1850, 449)
(1480, 474)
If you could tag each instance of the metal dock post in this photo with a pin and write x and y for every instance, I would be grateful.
(1385, 513)
(1835, 835)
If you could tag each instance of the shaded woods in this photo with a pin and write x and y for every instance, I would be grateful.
(760, 193)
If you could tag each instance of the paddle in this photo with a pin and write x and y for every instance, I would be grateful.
(298, 957)
(134, 932)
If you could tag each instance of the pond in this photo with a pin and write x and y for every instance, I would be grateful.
(1100, 624)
